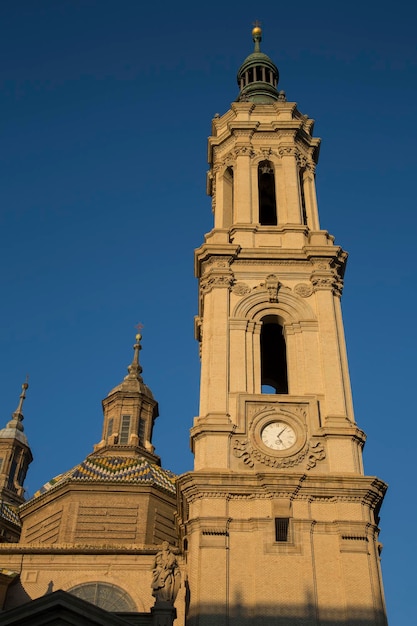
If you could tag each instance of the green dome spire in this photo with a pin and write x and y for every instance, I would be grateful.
(258, 75)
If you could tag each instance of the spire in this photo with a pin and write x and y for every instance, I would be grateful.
(134, 369)
(18, 415)
(258, 75)
(129, 412)
(15, 455)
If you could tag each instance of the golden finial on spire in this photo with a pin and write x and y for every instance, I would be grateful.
(257, 35)
(256, 30)
(138, 336)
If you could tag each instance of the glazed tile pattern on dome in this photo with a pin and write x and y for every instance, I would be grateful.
(8, 513)
(115, 470)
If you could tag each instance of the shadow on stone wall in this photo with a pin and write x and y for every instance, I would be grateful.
(287, 617)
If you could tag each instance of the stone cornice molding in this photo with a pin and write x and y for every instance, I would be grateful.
(312, 487)
(30, 548)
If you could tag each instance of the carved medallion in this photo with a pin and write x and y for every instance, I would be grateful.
(303, 289)
(241, 289)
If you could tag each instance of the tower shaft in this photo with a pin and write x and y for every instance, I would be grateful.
(278, 519)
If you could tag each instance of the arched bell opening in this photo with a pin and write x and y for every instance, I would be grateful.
(274, 377)
(302, 196)
(267, 200)
(228, 197)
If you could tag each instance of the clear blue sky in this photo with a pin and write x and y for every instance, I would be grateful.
(105, 110)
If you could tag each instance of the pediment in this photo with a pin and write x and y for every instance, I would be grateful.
(64, 609)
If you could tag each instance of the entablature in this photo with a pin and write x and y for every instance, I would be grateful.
(230, 485)
(275, 118)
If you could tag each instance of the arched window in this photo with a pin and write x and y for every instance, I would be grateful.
(274, 377)
(104, 595)
(267, 201)
(228, 198)
(302, 196)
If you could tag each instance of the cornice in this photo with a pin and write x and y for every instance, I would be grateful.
(368, 490)
(202, 254)
(64, 548)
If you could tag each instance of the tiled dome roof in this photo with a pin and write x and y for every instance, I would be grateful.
(115, 470)
(9, 513)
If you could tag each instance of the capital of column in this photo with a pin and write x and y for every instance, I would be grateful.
(327, 281)
(216, 278)
(288, 151)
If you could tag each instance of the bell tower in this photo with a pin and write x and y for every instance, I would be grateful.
(278, 520)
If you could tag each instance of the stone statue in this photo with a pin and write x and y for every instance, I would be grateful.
(166, 575)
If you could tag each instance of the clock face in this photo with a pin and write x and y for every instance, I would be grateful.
(278, 436)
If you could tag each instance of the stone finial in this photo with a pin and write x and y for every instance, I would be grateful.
(17, 415)
(135, 369)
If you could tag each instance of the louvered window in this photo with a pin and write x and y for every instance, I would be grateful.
(125, 430)
(281, 528)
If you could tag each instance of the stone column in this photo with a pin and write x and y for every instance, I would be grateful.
(289, 170)
(310, 196)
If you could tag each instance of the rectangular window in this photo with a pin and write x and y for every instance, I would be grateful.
(125, 430)
(142, 431)
(281, 528)
(109, 428)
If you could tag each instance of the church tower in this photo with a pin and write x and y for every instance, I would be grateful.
(15, 457)
(278, 522)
